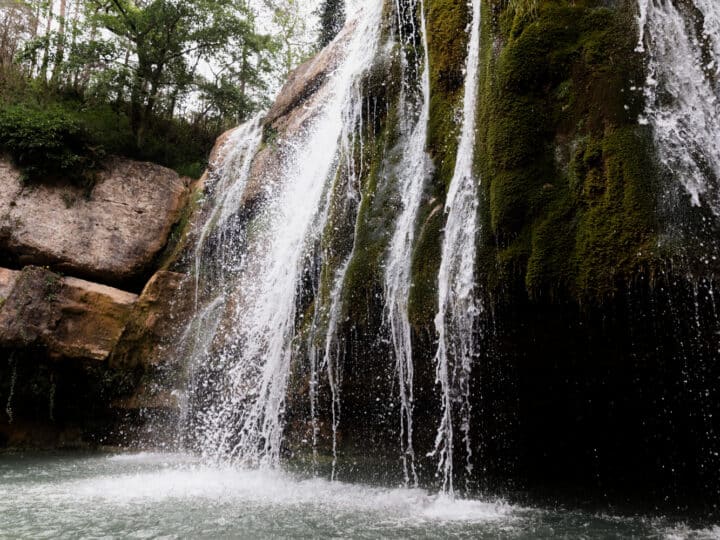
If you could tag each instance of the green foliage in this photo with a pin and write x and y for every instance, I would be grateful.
(48, 143)
(78, 132)
(155, 80)
(170, 39)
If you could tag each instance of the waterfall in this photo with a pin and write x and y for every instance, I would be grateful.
(683, 91)
(324, 344)
(412, 173)
(250, 368)
(457, 308)
(218, 255)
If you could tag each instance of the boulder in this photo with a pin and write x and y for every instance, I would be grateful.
(111, 234)
(68, 317)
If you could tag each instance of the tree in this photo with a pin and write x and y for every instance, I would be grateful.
(16, 23)
(290, 18)
(332, 19)
(169, 39)
(60, 47)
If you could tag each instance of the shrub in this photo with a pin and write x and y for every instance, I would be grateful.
(48, 143)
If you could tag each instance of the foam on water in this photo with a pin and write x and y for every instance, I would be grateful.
(193, 482)
(685, 532)
(152, 495)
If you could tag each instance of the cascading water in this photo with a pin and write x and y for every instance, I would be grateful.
(458, 308)
(412, 174)
(324, 347)
(243, 419)
(682, 43)
(218, 256)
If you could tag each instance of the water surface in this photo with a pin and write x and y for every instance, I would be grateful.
(175, 496)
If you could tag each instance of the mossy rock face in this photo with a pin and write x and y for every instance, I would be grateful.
(569, 176)
(447, 38)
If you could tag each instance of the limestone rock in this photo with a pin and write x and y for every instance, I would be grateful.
(69, 317)
(112, 234)
(151, 324)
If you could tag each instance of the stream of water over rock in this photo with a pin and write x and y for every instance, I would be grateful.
(271, 298)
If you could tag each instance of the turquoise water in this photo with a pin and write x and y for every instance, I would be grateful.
(175, 496)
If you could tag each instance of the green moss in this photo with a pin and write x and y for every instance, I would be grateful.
(378, 209)
(375, 219)
(447, 51)
(423, 303)
(616, 233)
(569, 201)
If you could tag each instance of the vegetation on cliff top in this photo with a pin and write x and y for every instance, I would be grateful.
(155, 80)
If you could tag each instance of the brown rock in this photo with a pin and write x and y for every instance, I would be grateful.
(69, 317)
(307, 84)
(297, 105)
(151, 325)
(7, 282)
(112, 235)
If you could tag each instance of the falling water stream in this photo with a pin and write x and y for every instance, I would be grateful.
(458, 307)
(244, 420)
(682, 91)
(412, 174)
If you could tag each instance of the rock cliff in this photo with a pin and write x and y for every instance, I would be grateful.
(595, 278)
(111, 233)
(72, 350)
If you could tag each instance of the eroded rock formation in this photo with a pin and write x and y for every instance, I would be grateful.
(74, 353)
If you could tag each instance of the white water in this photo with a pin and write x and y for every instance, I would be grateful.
(246, 420)
(412, 174)
(175, 496)
(218, 256)
(458, 309)
(683, 93)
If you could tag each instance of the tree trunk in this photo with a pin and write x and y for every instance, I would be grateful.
(36, 30)
(60, 52)
(73, 77)
(46, 53)
(84, 77)
(136, 106)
